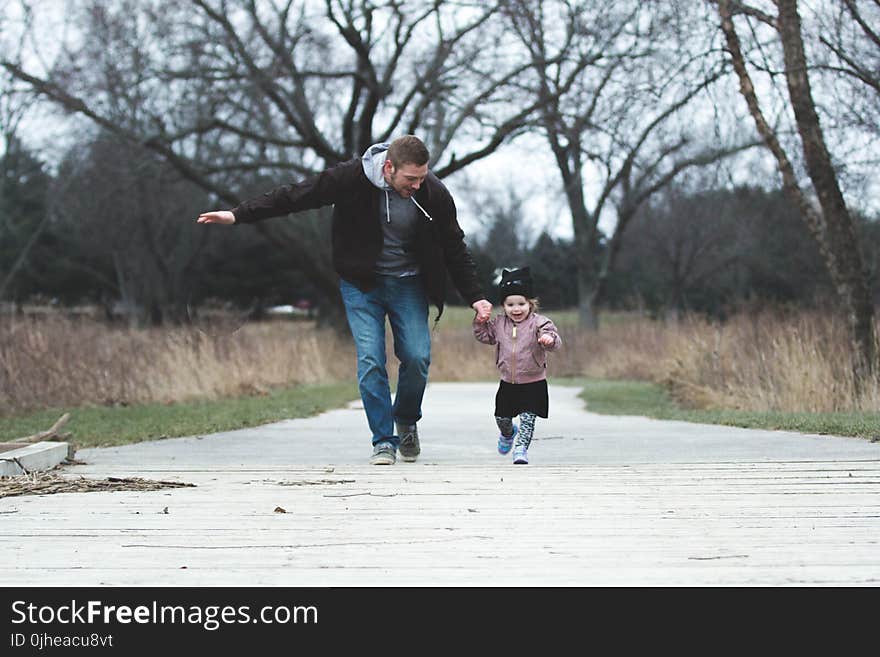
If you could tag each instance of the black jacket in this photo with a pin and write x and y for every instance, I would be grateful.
(357, 233)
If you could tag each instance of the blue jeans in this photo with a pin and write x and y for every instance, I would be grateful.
(403, 300)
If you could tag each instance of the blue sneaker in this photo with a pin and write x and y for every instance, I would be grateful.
(520, 455)
(504, 443)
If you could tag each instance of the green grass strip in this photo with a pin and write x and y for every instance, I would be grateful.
(652, 400)
(103, 426)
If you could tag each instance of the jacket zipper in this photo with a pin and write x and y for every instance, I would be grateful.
(514, 353)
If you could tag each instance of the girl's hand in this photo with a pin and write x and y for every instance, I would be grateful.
(483, 309)
(546, 340)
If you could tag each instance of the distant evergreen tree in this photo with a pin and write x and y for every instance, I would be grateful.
(23, 221)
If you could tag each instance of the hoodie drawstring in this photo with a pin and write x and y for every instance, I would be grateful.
(430, 218)
(412, 198)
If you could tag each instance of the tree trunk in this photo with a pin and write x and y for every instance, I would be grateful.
(588, 317)
(584, 225)
(626, 212)
(584, 238)
(850, 278)
(831, 224)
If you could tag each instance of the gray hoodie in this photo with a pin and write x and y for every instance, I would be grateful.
(399, 217)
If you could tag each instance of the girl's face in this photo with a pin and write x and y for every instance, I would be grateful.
(517, 307)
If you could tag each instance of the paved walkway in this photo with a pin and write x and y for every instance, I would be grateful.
(605, 501)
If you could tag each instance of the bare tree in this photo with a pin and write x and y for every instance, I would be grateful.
(828, 218)
(842, 42)
(851, 35)
(612, 90)
(684, 244)
(235, 93)
(116, 207)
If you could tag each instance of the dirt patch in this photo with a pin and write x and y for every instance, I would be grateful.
(49, 483)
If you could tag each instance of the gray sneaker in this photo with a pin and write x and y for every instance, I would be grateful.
(383, 454)
(409, 441)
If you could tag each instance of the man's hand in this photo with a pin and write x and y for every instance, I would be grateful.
(546, 340)
(218, 217)
(484, 310)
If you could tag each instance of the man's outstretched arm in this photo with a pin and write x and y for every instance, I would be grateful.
(317, 191)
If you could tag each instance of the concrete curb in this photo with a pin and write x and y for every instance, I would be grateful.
(31, 458)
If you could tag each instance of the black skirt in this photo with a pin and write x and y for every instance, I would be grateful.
(515, 398)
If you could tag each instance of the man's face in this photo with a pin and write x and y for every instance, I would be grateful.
(406, 179)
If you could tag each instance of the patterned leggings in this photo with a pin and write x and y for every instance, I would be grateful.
(526, 428)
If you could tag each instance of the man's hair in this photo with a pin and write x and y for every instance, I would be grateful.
(408, 149)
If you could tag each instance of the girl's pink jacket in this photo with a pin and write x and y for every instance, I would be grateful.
(518, 355)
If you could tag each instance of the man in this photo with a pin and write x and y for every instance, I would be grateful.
(394, 236)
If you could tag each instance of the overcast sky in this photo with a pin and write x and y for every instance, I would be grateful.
(527, 164)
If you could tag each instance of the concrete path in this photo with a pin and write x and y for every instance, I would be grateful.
(605, 501)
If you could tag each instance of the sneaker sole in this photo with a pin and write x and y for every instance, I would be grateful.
(409, 458)
(384, 460)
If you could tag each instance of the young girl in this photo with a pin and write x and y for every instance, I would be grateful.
(521, 337)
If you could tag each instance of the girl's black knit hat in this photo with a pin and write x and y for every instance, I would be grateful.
(516, 281)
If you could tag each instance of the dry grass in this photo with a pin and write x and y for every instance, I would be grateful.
(767, 362)
(56, 361)
(619, 351)
(49, 483)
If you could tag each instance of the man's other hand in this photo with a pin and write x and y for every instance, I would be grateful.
(218, 217)
(483, 309)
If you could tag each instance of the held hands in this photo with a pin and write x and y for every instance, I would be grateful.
(546, 340)
(218, 217)
(483, 309)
